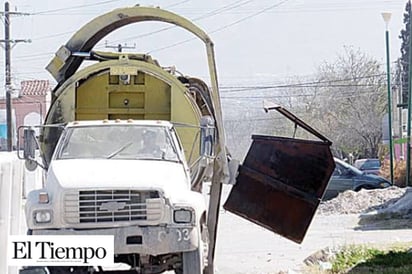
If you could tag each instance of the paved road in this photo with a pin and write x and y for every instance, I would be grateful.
(243, 247)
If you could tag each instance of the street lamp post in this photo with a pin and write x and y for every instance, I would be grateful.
(408, 134)
(387, 17)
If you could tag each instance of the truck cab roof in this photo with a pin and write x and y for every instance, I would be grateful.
(120, 122)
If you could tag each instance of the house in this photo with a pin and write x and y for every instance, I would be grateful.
(29, 107)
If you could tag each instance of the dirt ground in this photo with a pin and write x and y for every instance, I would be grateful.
(372, 217)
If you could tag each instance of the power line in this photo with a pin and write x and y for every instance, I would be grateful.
(233, 5)
(252, 119)
(223, 27)
(90, 5)
(34, 56)
(201, 17)
(74, 7)
(326, 6)
(251, 16)
(336, 96)
(53, 35)
(230, 6)
(228, 89)
(176, 4)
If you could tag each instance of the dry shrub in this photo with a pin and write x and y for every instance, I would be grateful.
(399, 172)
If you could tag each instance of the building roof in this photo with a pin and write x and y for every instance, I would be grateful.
(35, 87)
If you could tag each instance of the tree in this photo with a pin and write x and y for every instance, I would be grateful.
(349, 102)
(402, 81)
(345, 101)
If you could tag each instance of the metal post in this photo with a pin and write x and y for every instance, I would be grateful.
(386, 17)
(400, 109)
(388, 71)
(8, 72)
(408, 135)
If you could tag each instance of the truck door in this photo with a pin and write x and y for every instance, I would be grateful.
(282, 180)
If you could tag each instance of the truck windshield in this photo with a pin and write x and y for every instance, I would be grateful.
(117, 142)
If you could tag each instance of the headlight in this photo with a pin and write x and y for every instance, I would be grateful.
(182, 216)
(42, 216)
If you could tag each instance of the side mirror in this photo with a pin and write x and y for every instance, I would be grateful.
(29, 144)
(207, 136)
(29, 149)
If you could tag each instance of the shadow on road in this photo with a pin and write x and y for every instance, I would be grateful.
(376, 222)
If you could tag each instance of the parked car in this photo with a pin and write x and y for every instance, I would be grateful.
(347, 177)
(371, 166)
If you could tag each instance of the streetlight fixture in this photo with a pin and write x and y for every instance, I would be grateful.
(387, 17)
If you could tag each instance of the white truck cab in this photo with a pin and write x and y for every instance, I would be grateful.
(103, 180)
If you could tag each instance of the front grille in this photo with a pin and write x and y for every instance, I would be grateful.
(97, 206)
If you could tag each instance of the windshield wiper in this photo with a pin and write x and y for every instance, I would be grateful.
(114, 153)
(153, 158)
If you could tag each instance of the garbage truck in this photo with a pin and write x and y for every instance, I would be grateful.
(128, 146)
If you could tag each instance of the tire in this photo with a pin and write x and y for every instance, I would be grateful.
(195, 262)
(192, 261)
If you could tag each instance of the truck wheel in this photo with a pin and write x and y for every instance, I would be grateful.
(194, 262)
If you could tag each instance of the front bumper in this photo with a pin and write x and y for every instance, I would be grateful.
(149, 240)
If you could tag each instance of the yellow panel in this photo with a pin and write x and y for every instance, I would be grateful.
(139, 79)
(126, 99)
(184, 112)
(157, 97)
(92, 95)
(114, 79)
(103, 97)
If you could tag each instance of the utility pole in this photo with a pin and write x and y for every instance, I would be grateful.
(119, 47)
(8, 77)
(7, 48)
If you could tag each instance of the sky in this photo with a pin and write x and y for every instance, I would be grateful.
(256, 42)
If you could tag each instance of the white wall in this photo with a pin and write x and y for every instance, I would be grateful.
(15, 182)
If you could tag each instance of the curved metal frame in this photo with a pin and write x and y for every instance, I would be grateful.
(64, 64)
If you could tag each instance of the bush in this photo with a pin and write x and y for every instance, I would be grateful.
(399, 172)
